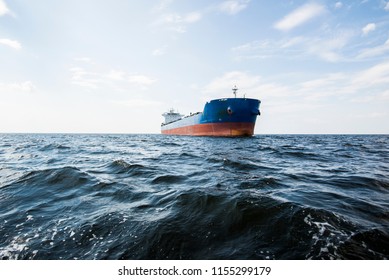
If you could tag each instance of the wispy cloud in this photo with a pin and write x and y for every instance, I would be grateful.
(309, 95)
(327, 48)
(300, 16)
(373, 76)
(94, 77)
(368, 28)
(322, 82)
(3, 8)
(138, 103)
(257, 50)
(159, 51)
(26, 86)
(386, 8)
(338, 5)
(176, 18)
(141, 80)
(224, 84)
(308, 91)
(177, 22)
(11, 43)
(84, 78)
(162, 5)
(116, 75)
(352, 85)
(83, 59)
(233, 7)
(374, 51)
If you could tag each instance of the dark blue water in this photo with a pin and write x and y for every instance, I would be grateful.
(170, 197)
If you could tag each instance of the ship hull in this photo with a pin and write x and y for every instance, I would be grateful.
(221, 117)
(214, 129)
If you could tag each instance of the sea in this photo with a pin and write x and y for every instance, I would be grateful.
(151, 196)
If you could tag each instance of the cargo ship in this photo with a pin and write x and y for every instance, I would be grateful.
(221, 117)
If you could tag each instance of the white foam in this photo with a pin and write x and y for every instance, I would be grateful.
(13, 250)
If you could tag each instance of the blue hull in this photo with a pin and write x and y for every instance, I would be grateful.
(230, 110)
(220, 117)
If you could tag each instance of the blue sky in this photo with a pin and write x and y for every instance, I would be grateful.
(116, 66)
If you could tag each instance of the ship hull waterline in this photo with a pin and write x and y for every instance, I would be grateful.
(214, 129)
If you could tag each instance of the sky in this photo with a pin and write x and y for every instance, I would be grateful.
(97, 66)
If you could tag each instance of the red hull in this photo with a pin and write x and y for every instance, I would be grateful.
(214, 129)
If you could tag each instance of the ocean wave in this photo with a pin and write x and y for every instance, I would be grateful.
(157, 197)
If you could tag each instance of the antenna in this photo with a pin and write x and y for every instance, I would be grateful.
(234, 90)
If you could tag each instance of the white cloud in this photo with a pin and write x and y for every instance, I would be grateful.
(3, 8)
(386, 8)
(175, 18)
(329, 87)
(349, 86)
(158, 52)
(378, 115)
(11, 43)
(141, 80)
(376, 75)
(178, 23)
(192, 17)
(83, 59)
(368, 28)
(84, 78)
(293, 42)
(255, 50)
(328, 80)
(255, 45)
(328, 48)
(335, 48)
(94, 76)
(384, 95)
(300, 16)
(224, 84)
(162, 5)
(138, 103)
(233, 7)
(375, 51)
(116, 75)
(26, 86)
(338, 5)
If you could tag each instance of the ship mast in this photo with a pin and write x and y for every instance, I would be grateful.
(234, 90)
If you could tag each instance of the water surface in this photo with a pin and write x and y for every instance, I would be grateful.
(71, 196)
